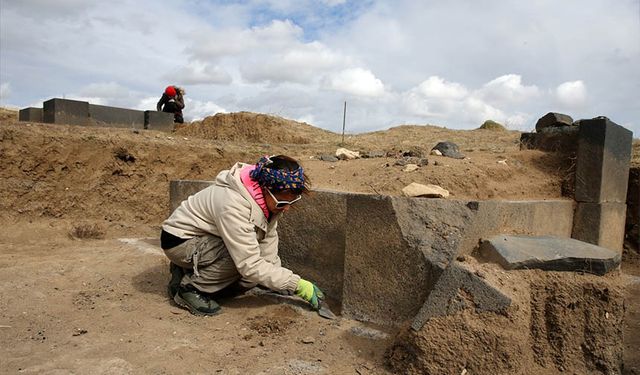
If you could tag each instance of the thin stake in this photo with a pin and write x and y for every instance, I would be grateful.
(344, 117)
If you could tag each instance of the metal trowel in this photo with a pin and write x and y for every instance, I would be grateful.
(324, 310)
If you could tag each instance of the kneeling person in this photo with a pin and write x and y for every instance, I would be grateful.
(223, 239)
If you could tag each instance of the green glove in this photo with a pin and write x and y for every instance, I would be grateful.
(309, 292)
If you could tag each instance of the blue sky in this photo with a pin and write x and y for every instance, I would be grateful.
(449, 63)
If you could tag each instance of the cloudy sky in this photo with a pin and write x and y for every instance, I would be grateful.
(451, 63)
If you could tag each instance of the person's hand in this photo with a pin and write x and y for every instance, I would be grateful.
(309, 292)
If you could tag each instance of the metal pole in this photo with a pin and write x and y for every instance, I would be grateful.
(344, 117)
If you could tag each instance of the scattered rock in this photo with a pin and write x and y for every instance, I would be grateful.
(329, 158)
(412, 160)
(553, 119)
(437, 162)
(344, 154)
(79, 332)
(410, 167)
(449, 149)
(374, 154)
(502, 162)
(436, 152)
(427, 191)
(308, 340)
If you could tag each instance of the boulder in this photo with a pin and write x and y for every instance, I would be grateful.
(329, 158)
(553, 119)
(410, 168)
(449, 149)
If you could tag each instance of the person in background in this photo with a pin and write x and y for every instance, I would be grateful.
(223, 241)
(172, 101)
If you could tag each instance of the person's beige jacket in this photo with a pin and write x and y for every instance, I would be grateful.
(227, 210)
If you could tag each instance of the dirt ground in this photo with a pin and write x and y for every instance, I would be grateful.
(98, 305)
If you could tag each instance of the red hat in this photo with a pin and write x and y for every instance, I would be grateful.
(170, 91)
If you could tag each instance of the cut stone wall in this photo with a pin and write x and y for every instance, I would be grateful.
(30, 114)
(114, 117)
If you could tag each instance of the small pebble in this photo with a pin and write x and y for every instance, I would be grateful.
(308, 340)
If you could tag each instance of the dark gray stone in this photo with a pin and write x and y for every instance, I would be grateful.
(553, 119)
(180, 190)
(602, 167)
(65, 111)
(114, 117)
(561, 139)
(162, 121)
(632, 228)
(601, 224)
(412, 160)
(549, 253)
(312, 241)
(449, 149)
(30, 114)
(329, 158)
(458, 289)
(373, 154)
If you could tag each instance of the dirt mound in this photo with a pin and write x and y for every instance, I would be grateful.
(8, 114)
(558, 322)
(253, 128)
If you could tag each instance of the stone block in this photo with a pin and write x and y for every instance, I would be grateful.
(549, 253)
(562, 139)
(602, 167)
(155, 120)
(30, 114)
(65, 111)
(601, 224)
(396, 249)
(113, 117)
(180, 190)
(312, 241)
(553, 119)
(460, 288)
(632, 230)
(533, 218)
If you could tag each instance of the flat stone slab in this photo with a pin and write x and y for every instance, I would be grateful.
(550, 254)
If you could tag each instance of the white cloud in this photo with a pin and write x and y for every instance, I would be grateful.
(507, 89)
(355, 81)
(198, 73)
(572, 95)
(197, 110)
(438, 88)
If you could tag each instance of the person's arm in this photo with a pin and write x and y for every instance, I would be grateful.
(162, 101)
(180, 101)
(240, 239)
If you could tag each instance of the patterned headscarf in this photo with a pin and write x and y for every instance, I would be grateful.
(277, 179)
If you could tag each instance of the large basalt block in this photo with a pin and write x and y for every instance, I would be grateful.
(553, 119)
(396, 249)
(601, 224)
(556, 139)
(533, 218)
(312, 241)
(114, 117)
(30, 114)
(65, 111)
(602, 167)
(155, 120)
(180, 190)
(632, 229)
(549, 253)
(458, 289)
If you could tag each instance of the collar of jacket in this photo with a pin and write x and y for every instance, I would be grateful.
(231, 180)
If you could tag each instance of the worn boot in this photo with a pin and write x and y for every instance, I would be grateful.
(176, 276)
(197, 302)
